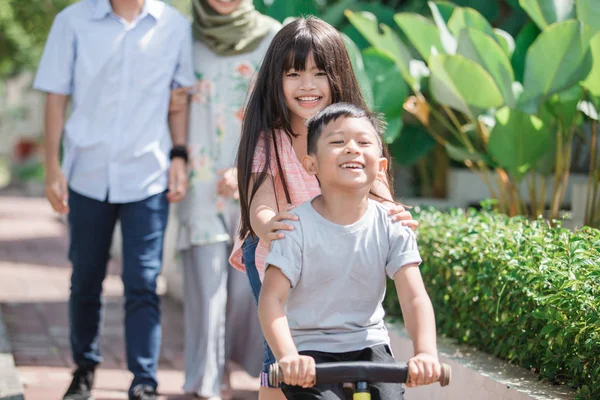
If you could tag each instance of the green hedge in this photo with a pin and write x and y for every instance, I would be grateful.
(517, 289)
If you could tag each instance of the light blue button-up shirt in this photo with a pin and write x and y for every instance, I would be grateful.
(119, 74)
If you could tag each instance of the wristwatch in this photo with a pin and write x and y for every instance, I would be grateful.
(179, 151)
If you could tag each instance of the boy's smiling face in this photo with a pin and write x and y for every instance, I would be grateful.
(348, 154)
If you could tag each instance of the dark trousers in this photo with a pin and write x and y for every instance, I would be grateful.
(143, 225)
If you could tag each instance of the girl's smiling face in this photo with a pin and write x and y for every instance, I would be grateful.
(224, 7)
(306, 92)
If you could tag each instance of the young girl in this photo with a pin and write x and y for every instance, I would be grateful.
(336, 262)
(305, 69)
(230, 40)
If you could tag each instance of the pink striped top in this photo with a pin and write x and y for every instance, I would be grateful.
(301, 187)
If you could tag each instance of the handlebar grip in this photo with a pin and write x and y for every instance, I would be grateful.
(360, 371)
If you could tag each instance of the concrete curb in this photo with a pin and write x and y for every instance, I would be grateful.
(10, 383)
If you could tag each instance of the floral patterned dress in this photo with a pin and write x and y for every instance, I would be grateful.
(216, 114)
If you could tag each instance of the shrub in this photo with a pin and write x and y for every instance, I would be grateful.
(518, 289)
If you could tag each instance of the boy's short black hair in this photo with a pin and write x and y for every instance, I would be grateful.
(316, 123)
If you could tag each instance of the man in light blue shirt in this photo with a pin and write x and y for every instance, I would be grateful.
(124, 158)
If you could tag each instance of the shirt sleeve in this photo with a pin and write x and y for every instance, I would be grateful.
(184, 71)
(403, 248)
(286, 254)
(55, 71)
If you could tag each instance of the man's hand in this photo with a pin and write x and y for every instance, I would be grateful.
(178, 180)
(56, 189)
(298, 370)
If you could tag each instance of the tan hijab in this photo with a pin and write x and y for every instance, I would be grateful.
(235, 33)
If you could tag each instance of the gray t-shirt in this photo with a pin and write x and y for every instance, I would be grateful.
(338, 277)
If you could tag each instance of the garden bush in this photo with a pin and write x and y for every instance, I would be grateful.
(519, 289)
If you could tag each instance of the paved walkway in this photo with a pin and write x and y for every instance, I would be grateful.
(34, 288)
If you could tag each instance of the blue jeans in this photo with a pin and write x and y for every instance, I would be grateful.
(249, 257)
(143, 225)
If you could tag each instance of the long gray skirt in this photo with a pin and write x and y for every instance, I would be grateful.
(220, 319)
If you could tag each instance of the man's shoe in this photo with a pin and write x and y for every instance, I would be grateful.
(81, 385)
(143, 392)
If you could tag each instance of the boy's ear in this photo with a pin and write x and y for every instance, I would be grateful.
(383, 163)
(309, 163)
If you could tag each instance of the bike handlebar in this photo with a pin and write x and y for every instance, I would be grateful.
(360, 371)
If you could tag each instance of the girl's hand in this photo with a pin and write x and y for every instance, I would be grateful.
(228, 184)
(276, 225)
(298, 370)
(423, 369)
(399, 213)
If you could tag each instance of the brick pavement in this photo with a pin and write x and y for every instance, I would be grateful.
(34, 288)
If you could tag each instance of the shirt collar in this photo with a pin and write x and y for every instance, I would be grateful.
(152, 7)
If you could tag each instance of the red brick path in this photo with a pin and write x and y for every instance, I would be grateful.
(34, 288)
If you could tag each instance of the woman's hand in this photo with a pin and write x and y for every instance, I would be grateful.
(275, 225)
(423, 369)
(399, 213)
(298, 370)
(228, 184)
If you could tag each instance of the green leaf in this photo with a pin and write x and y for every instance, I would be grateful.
(422, 33)
(414, 143)
(563, 106)
(518, 141)
(441, 13)
(469, 18)
(592, 82)
(389, 89)
(479, 47)
(282, 9)
(359, 70)
(506, 41)
(547, 12)
(463, 85)
(525, 38)
(386, 41)
(588, 12)
(557, 59)
(393, 130)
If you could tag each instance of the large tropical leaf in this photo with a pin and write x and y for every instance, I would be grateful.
(464, 17)
(389, 89)
(383, 38)
(588, 12)
(359, 70)
(518, 141)
(463, 85)
(558, 59)
(563, 106)
(524, 39)
(479, 47)
(413, 143)
(592, 82)
(393, 129)
(441, 13)
(422, 33)
(547, 12)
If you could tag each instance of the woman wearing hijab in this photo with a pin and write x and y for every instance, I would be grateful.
(231, 38)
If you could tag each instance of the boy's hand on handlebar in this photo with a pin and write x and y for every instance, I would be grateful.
(423, 369)
(276, 224)
(298, 370)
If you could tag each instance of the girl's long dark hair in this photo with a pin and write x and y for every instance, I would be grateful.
(266, 111)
